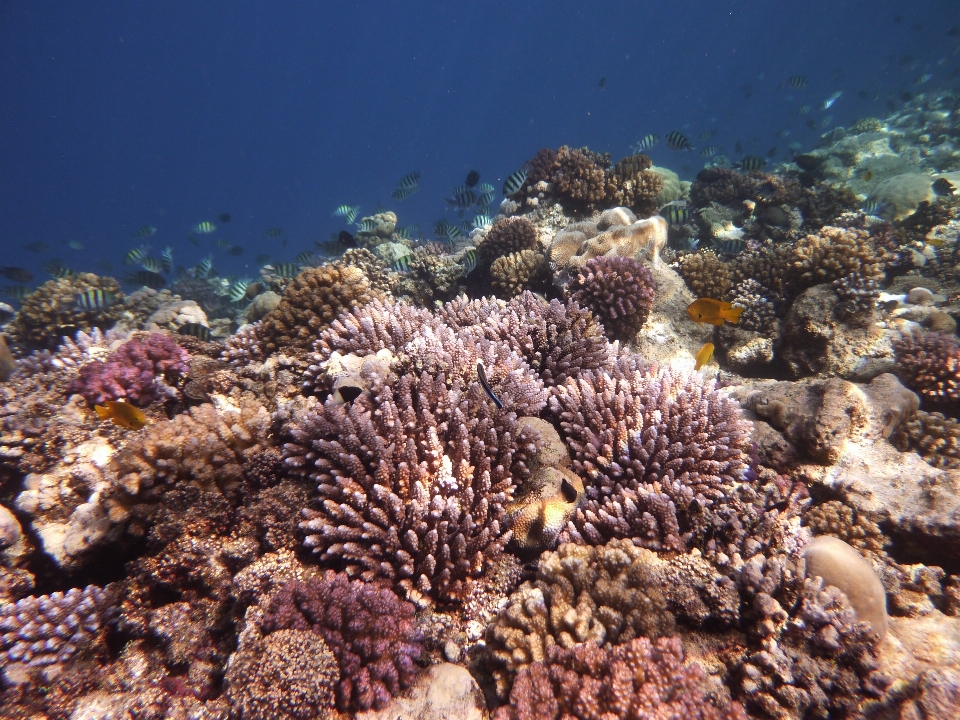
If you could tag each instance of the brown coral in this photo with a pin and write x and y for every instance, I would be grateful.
(632, 184)
(202, 447)
(929, 363)
(933, 436)
(636, 681)
(508, 235)
(580, 181)
(606, 595)
(706, 274)
(836, 252)
(311, 302)
(51, 311)
(511, 274)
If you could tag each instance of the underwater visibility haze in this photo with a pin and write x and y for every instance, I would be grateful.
(512, 360)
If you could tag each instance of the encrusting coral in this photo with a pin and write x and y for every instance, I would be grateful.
(134, 372)
(51, 311)
(618, 290)
(367, 627)
(311, 302)
(640, 680)
(659, 451)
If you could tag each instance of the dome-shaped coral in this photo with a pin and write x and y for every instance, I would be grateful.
(51, 312)
(618, 290)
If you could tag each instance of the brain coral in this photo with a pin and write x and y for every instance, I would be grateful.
(132, 372)
(413, 474)
(658, 451)
(51, 311)
(636, 681)
(619, 290)
(369, 630)
(311, 302)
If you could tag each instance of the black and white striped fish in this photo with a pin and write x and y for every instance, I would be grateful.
(93, 299)
(512, 185)
(676, 140)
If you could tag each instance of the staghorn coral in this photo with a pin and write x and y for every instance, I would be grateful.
(705, 274)
(413, 476)
(929, 363)
(933, 436)
(632, 184)
(508, 235)
(51, 311)
(511, 274)
(369, 630)
(636, 681)
(134, 372)
(659, 451)
(380, 324)
(311, 302)
(607, 595)
(52, 628)
(289, 675)
(202, 447)
(618, 290)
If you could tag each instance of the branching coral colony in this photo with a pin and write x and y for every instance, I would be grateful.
(494, 451)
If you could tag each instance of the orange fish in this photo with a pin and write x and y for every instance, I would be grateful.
(708, 310)
(122, 414)
(703, 355)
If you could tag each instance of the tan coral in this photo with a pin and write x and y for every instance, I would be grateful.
(511, 274)
(706, 274)
(51, 311)
(311, 302)
(608, 595)
(837, 252)
(643, 240)
(631, 183)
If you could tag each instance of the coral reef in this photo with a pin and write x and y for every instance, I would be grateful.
(134, 372)
(369, 630)
(929, 363)
(658, 450)
(311, 302)
(511, 274)
(632, 184)
(508, 235)
(51, 311)
(637, 680)
(706, 274)
(52, 628)
(933, 436)
(579, 180)
(618, 290)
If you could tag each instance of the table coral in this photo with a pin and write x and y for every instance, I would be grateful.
(134, 372)
(51, 311)
(618, 290)
(657, 450)
(640, 680)
(367, 627)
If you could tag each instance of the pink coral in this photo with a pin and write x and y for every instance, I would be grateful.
(132, 372)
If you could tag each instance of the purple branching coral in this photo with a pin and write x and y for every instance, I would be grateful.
(413, 475)
(929, 363)
(659, 453)
(133, 371)
(619, 290)
(52, 628)
(370, 630)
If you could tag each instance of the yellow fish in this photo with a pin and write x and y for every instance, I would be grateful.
(122, 414)
(703, 355)
(708, 310)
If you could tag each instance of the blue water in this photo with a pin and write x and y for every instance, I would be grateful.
(119, 114)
